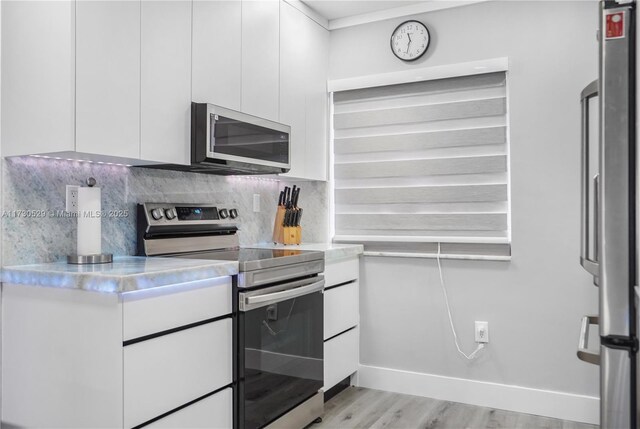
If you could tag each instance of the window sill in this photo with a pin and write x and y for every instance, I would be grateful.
(498, 258)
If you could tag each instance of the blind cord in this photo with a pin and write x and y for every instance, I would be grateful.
(453, 329)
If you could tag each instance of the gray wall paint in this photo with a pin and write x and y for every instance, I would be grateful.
(39, 184)
(533, 303)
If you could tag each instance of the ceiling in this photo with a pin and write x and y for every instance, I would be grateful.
(334, 9)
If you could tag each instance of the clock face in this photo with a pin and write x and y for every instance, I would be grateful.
(410, 40)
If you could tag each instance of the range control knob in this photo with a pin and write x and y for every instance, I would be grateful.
(233, 213)
(170, 213)
(157, 214)
(224, 213)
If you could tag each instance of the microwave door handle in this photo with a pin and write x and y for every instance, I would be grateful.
(591, 265)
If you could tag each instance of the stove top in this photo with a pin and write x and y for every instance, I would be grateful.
(251, 259)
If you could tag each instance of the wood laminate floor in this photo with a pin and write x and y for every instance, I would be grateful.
(358, 407)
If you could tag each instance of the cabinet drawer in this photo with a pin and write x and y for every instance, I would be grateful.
(341, 357)
(341, 309)
(168, 371)
(212, 412)
(341, 271)
(150, 311)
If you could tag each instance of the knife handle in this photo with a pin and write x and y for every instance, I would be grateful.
(281, 198)
(295, 197)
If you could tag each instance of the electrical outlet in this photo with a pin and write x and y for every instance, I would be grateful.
(256, 203)
(482, 332)
(71, 204)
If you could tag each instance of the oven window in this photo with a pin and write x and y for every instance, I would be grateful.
(283, 352)
(232, 137)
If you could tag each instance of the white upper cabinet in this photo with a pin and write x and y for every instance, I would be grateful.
(108, 78)
(37, 77)
(293, 42)
(217, 53)
(260, 58)
(165, 110)
(304, 56)
(115, 79)
(317, 104)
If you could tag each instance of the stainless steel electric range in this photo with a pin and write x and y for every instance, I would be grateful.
(278, 311)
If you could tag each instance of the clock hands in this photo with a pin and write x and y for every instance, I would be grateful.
(408, 44)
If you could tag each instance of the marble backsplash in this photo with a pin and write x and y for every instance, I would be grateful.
(33, 194)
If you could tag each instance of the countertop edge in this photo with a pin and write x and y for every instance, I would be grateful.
(104, 282)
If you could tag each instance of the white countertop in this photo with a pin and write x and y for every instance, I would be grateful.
(332, 251)
(124, 274)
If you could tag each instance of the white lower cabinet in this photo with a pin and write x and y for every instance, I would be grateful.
(341, 357)
(159, 376)
(78, 359)
(340, 309)
(341, 319)
(212, 412)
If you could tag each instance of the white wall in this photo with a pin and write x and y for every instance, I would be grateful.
(533, 303)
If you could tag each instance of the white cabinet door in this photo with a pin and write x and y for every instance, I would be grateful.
(341, 271)
(304, 56)
(317, 141)
(294, 36)
(212, 412)
(37, 77)
(341, 309)
(341, 357)
(260, 58)
(165, 110)
(166, 372)
(108, 78)
(148, 312)
(217, 55)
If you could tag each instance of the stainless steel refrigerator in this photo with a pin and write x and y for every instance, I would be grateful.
(610, 222)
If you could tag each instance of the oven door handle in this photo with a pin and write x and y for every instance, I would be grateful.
(254, 301)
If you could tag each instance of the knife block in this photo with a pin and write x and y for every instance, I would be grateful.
(285, 234)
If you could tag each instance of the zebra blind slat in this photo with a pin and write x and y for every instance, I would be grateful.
(424, 235)
(423, 161)
(422, 167)
(414, 114)
(454, 84)
(435, 222)
(421, 141)
(417, 208)
(422, 194)
(420, 100)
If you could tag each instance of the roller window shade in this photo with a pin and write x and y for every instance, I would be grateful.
(422, 162)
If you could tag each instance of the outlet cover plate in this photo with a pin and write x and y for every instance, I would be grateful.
(71, 201)
(482, 332)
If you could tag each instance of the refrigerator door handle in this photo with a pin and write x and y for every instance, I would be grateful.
(591, 265)
(584, 353)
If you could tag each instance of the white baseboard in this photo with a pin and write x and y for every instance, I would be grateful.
(560, 405)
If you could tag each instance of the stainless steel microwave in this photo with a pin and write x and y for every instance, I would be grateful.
(224, 141)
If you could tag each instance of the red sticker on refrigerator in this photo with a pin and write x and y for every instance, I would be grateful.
(614, 25)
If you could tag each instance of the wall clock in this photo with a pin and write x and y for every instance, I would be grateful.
(410, 40)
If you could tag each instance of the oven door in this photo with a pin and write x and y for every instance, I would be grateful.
(280, 359)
